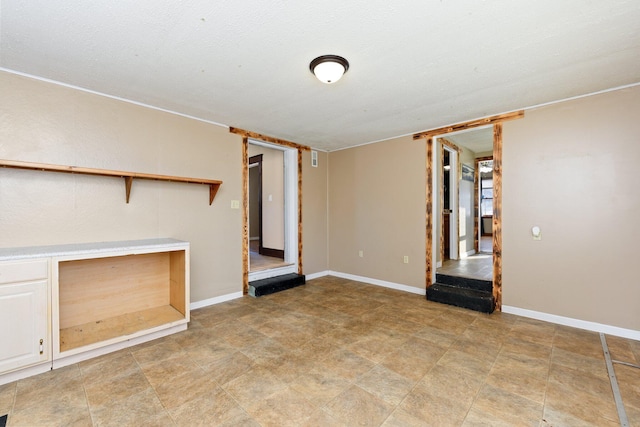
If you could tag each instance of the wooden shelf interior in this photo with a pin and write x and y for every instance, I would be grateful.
(104, 298)
(213, 185)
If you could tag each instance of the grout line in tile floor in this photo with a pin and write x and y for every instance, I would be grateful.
(339, 352)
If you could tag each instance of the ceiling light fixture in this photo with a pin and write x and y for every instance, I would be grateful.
(329, 68)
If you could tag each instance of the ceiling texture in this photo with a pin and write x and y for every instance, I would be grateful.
(414, 65)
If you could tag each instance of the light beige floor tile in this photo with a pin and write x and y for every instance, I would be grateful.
(212, 409)
(143, 408)
(258, 383)
(119, 387)
(7, 397)
(355, 406)
(589, 365)
(401, 418)
(478, 364)
(163, 370)
(346, 364)
(621, 349)
(321, 418)
(285, 407)
(109, 368)
(589, 404)
(437, 336)
(554, 417)
(629, 384)
(229, 368)
(153, 353)
(385, 384)
(182, 388)
(205, 355)
(502, 407)
(61, 385)
(319, 386)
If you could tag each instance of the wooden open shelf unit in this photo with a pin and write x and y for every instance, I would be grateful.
(213, 185)
(107, 298)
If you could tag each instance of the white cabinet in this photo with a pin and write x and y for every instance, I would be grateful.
(66, 303)
(24, 314)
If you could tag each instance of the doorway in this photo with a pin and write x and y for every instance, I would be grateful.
(431, 190)
(465, 205)
(273, 210)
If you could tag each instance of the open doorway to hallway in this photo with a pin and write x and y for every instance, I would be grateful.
(272, 219)
(465, 209)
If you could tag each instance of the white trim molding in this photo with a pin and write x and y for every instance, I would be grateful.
(215, 300)
(575, 323)
(316, 275)
(383, 283)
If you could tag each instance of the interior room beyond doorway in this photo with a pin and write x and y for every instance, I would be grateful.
(466, 207)
(267, 216)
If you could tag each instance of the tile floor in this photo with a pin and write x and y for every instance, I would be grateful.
(478, 266)
(259, 262)
(340, 353)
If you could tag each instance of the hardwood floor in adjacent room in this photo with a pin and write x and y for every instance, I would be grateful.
(340, 353)
(259, 262)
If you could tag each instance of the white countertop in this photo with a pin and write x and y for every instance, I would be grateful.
(7, 254)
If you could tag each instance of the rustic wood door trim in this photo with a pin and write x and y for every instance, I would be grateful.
(429, 214)
(497, 215)
(245, 215)
(496, 121)
(245, 195)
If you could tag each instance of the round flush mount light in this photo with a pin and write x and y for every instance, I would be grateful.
(329, 68)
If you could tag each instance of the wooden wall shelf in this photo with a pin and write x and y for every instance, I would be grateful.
(214, 185)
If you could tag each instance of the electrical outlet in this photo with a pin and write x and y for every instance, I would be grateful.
(361, 254)
(406, 259)
(235, 204)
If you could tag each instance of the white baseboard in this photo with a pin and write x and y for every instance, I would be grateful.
(575, 323)
(316, 275)
(62, 361)
(25, 372)
(216, 300)
(377, 282)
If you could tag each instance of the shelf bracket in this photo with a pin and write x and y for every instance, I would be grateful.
(213, 190)
(128, 180)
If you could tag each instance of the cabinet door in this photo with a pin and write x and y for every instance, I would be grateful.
(23, 325)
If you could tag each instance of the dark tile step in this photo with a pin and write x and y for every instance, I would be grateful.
(272, 285)
(460, 297)
(465, 282)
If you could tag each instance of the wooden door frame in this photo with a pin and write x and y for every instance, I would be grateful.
(430, 135)
(245, 134)
(457, 175)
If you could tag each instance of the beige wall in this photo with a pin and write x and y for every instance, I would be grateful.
(272, 185)
(46, 123)
(377, 205)
(572, 170)
(314, 214)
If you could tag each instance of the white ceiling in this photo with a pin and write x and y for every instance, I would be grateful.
(415, 64)
(476, 140)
